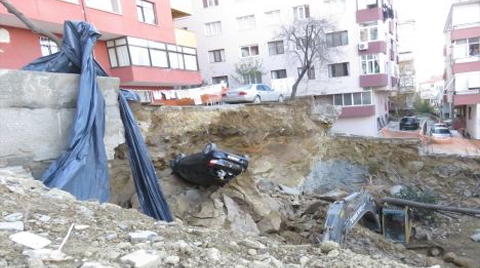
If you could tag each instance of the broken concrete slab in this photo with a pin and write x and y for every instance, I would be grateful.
(14, 217)
(46, 254)
(142, 236)
(476, 237)
(30, 240)
(141, 259)
(11, 226)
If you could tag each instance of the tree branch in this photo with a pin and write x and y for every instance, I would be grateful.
(13, 10)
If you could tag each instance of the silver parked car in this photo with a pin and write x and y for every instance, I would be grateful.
(440, 132)
(255, 93)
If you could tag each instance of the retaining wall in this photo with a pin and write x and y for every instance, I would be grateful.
(36, 115)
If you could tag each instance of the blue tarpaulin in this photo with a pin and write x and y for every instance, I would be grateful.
(82, 169)
(149, 192)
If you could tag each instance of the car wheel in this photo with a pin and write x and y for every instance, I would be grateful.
(280, 99)
(257, 100)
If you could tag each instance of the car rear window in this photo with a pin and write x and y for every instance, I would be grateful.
(441, 131)
(408, 120)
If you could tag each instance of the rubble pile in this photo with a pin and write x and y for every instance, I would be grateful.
(56, 230)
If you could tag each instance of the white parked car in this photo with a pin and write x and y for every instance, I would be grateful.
(255, 93)
(440, 132)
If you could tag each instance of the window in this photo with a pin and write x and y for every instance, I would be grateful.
(335, 6)
(276, 48)
(219, 80)
(338, 69)
(370, 64)
(353, 99)
(310, 73)
(47, 46)
(337, 39)
(469, 113)
(368, 32)
(213, 28)
(301, 12)
(246, 22)
(146, 12)
(466, 48)
(248, 51)
(367, 4)
(279, 74)
(216, 55)
(254, 78)
(105, 5)
(134, 51)
(210, 3)
(272, 17)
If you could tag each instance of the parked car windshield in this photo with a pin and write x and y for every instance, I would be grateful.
(440, 130)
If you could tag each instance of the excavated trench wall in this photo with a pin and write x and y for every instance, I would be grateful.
(290, 151)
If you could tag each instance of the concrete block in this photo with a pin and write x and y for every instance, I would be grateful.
(141, 259)
(11, 226)
(30, 240)
(142, 236)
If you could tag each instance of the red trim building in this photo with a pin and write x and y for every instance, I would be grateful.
(139, 42)
(462, 72)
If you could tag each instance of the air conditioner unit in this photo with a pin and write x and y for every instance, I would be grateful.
(363, 46)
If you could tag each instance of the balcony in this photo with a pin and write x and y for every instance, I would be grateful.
(467, 99)
(357, 111)
(154, 77)
(375, 47)
(371, 14)
(374, 80)
(472, 32)
(180, 8)
(465, 67)
(185, 38)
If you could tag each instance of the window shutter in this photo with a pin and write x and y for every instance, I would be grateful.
(205, 3)
(307, 11)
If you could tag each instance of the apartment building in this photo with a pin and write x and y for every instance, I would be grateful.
(362, 72)
(139, 42)
(462, 73)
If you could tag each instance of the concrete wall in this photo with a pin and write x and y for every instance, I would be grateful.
(36, 114)
(473, 122)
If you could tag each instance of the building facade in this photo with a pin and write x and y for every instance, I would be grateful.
(139, 43)
(462, 73)
(403, 102)
(363, 67)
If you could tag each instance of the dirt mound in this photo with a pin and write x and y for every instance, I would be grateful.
(109, 236)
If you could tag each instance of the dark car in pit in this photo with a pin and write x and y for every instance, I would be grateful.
(211, 166)
(409, 123)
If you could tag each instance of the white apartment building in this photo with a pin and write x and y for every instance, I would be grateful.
(462, 73)
(361, 74)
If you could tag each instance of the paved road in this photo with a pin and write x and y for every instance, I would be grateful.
(456, 145)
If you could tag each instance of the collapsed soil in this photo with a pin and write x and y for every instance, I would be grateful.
(293, 157)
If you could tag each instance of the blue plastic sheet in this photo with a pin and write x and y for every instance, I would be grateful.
(82, 169)
(149, 192)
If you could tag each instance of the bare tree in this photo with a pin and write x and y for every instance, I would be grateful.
(306, 41)
(13, 10)
(248, 70)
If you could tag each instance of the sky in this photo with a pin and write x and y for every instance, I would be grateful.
(430, 17)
